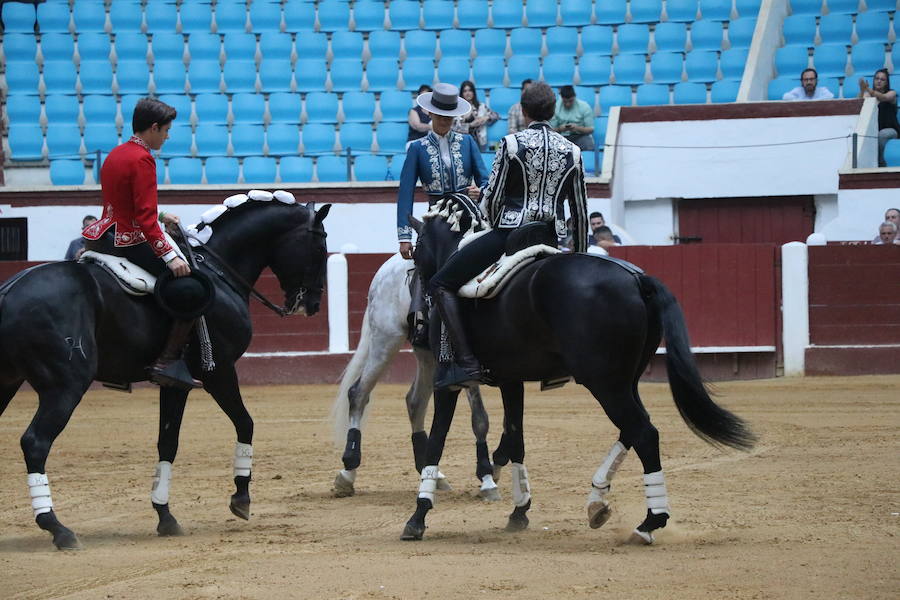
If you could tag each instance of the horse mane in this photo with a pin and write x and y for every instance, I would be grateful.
(458, 210)
(201, 233)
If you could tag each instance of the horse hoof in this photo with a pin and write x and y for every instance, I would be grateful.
(517, 523)
(169, 528)
(490, 494)
(240, 508)
(65, 539)
(412, 532)
(342, 487)
(644, 538)
(598, 514)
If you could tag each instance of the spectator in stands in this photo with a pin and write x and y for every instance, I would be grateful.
(887, 234)
(603, 237)
(597, 221)
(809, 88)
(888, 127)
(479, 118)
(76, 246)
(891, 215)
(515, 121)
(419, 119)
(574, 119)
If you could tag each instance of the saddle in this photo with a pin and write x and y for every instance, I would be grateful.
(130, 277)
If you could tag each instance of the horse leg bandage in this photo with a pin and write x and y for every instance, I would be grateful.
(160, 492)
(655, 491)
(243, 459)
(39, 489)
(521, 488)
(429, 483)
(600, 482)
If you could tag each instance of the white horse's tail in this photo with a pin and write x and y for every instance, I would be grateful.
(340, 409)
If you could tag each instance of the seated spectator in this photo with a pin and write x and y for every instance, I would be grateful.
(891, 215)
(515, 121)
(596, 220)
(887, 234)
(808, 90)
(419, 119)
(603, 237)
(574, 119)
(479, 118)
(888, 127)
(76, 246)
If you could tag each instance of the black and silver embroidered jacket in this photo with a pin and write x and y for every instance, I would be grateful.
(535, 171)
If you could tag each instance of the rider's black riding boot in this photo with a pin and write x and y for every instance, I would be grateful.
(170, 370)
(464, 371)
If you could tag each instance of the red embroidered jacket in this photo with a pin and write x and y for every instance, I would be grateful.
(128, 179)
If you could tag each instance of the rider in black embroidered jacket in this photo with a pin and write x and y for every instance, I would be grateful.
(535, 171)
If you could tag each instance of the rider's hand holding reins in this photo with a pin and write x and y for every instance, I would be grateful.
(474, 192)
(178, 267)
(406, 250)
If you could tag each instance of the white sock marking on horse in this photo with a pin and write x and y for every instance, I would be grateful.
(602, 479)
(429, 482)
(521, 489)
(655, 491)
(39, 489)
(160, 492)
(243, 459)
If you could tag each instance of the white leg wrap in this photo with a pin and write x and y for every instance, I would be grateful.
(429, 482)
(243, 459)
(655, 491)
(521, 489)
(349, 475)
(607, 470)
(39, 489)
(487, 483)
(160, 492)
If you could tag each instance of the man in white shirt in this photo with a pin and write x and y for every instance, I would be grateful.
(809, 90)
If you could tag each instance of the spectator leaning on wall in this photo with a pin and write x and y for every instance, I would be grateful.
(887, 234)
(891, 215)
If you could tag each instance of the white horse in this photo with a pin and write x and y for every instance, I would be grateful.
(384, 330)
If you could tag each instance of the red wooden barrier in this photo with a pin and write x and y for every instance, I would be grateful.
(361, 269)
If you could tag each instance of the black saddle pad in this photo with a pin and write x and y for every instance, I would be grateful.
(531, 234)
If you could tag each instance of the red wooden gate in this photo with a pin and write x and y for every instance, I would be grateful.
(746, 220)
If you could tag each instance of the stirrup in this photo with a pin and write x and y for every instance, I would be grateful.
(453, 377)
(174, 374)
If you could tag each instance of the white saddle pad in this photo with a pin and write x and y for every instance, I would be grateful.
(133, 279)
(490, 281)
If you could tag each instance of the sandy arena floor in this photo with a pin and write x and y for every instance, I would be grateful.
(812, 512)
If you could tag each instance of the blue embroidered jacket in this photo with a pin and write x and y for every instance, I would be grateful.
(424, 163)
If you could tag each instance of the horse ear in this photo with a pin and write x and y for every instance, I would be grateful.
(322, 213)
(311, 206)
(415, 224)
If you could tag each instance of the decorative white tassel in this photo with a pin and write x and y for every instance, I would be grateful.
(160, 492)
(243, 459)
(39, 489)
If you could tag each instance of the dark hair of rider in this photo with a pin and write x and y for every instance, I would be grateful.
(539, 101)
(148, 111)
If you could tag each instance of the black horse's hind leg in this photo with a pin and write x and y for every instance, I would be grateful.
(444, 408)
(514, 413)
(171, 410)
(223, 385)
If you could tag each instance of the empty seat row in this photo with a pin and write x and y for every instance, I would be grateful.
(834, 60)
(845, 7)
(806, 30)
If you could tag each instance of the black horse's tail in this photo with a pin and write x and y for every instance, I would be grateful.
(707, 419)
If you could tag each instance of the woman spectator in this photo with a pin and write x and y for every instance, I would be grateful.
(888, 127)
(476, 122)
(418, 118)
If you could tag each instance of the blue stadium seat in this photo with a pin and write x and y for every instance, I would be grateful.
(404, 15)
(715, 10)
(169, 76)
(99, 108)
(892, 153)
(318, 138)
(488, 72)
(706, 35)
(747, 8)
(369, 16)
(347, 44)
(284, 107)
(22, 77)
(740, 32)
(610, 12)
(597, 39)
(259, 169)
(333, 15)
(358, 107)
(455, 43)
(472, 14)
(417, 71)
(321, 107)
(221, 169)
(66, 172)
(502, 98)
(836, 29)
(240, 76)
(496, 131)
(506, 14)
(541, 13)
(240, 46)
(576, 13)
(346, 74)
(126, 16)
(25, 142)
(181, 102)
(195, 17)
(559, 69)
(562, 40)
(211, 108)
(63, 141)
(299, 16)
(283, 139)
(247, 139)
(248, 108)
(670, 37)
(646, 11)
(523, 67)
(791, 60)
(830, 60)
(689, 93)
(24, 110)
(369, 167)
(779, 86)
(420, 44)
(486, 157)
(382, 74)
(632, 39)
(396, 166)
(211, 139)
(185, 170)
(100, 136)
(275, 75)
(666, 67)
(490, 42)
(526, 42)
(204, 76)
(310, 74)
(629, 69)
(54, 46)
(204, 46)
(881, 5)
(724, 91)
(873, 26)
(61, 109)
(59, 76)
(732, 63)
(167, 46)
(806, 7)
(867, 57)
(438, 15)
(131, 45)
(799, 30)
(391, 137)
(18, 17)
(357, 137)
(701, 66)
(95, 76)
(273, 44)
(331, 168)
(453, 70)
(162, 17)
(681, 11)
(295, 169)
(842, 7)
(51, 18)
(128, 102)
(588, 94)
(93, 46)
(89, 16)
(395, 105)
(594, 69)
(833, 85)
(895, 55)
(230, 17)
(384, 44)
(614, 95)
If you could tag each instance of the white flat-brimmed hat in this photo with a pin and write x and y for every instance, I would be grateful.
(444, 100)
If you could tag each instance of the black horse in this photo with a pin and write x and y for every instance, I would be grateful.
(64, 325)
(579, 316)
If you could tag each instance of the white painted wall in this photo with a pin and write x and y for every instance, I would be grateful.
(859, 213)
